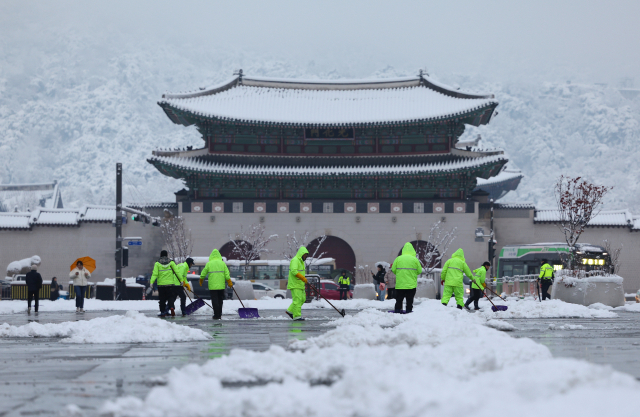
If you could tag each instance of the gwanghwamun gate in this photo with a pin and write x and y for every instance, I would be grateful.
(372, 164)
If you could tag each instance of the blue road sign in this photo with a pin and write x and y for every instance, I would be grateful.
(135, 243)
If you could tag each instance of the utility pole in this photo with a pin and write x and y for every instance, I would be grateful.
(118, 227)
(491, 240)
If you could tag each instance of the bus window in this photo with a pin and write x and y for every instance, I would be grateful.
(518, 269)
(507, 270)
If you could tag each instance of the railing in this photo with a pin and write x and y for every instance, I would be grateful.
(526, 285)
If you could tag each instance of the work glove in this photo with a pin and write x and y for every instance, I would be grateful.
(188, 286)
(484, 285)
(230, 283)
(201, 281)
(442, 282)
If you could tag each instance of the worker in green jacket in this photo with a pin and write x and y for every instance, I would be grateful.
(478, 285)
(217, 273)
(296, 284)
(183, 270)
(451, 278)
(406, 268)
(546, 276)
(165, 272)
(344, 281)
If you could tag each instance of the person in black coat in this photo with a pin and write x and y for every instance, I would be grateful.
(379, 279)
(55, 290)
(34, 283)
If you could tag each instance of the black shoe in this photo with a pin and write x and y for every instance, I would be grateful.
(467, 307)
(476, 308)
(183, 314)
(288, 314)
(299, 319)
(216, 317)
(459, 307)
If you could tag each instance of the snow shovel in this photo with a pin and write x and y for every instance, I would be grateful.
(194, 305)
(494, 307)
(246, 313)
(538, 287)
(341, 312)
(496, 294)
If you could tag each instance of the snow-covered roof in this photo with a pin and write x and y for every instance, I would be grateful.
(30, 196)
(514, 206)
(57, 217)
(318, 103)
(503, 176)
(201, 166)
(604, 218)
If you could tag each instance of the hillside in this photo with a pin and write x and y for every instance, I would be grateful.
(71, 111)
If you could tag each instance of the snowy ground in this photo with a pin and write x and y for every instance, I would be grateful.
(378, 364)
(133, 327)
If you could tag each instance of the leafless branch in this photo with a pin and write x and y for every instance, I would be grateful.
(251, 244)
(614, 253)
(177, 238)
(437, 245)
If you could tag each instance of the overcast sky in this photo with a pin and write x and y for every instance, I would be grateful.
(598, 40)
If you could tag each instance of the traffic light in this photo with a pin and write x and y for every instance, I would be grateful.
(155, 222)
(136, 218)
(125, 256)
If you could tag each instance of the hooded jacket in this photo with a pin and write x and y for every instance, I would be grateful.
(406, 268)
(165, 271)
(182, 271)
(297, 266)
(453, 269)
(481, 276)
(215, 271)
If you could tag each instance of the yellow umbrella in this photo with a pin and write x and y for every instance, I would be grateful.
(88, 263)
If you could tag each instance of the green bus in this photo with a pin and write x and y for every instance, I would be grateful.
(525, 259)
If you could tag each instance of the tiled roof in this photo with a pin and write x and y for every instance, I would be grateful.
(604, 218)
(14, 220)
(196, 165)
(152, 205)
(515, 206)
(318, 103)
(505, 175)
(57, 217)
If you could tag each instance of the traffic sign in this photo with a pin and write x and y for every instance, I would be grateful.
(134, 243)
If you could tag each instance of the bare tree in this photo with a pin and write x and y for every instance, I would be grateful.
(437, 246)
(177, 238)
(614, 253)
(578, 202)
(362, 276)
(294, 242)
(251, 243)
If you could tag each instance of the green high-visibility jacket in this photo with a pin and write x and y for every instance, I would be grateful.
(454, 268)
(481, 274)
(546, 271)
(216, 271)
(344, 280)
(407, 267)
(165, 271)
(183, 270)
(296, 266)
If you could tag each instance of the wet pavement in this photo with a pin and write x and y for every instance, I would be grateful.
(40, 376)
(614, 342)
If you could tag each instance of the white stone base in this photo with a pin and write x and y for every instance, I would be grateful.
(586, 291)
(364, 291)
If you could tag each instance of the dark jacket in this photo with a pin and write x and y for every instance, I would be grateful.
(33, 280)
(379, 277)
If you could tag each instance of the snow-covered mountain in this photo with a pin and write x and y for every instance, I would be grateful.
(71, 111)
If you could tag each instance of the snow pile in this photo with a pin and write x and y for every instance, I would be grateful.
(600, 306)
(530, 309)
(22, 266)
(423, 365)
(133, 327)
(501, 325)
(634, 308)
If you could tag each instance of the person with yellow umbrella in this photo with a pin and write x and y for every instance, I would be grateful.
(80, 273)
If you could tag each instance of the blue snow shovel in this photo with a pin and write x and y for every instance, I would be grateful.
(194, 305)
(494, 307)
(246, 313)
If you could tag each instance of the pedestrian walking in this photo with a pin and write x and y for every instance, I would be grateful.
(391, 283)
(378, 279)
(80, 276)
(34, 283)
(451, 277)
(217, 274)
(344, 281)
(164, 271)
(183, 270)
(296, 284)
(546, 276)
(54, 292)
(406, 268)
(477, 287)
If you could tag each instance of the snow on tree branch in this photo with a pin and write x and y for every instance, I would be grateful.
(294, 242)
(615, 254)
(437, 245)
(578, 202)
(177, 238)
(251, 243)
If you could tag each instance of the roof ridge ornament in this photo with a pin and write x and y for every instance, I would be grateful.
(240, 75)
